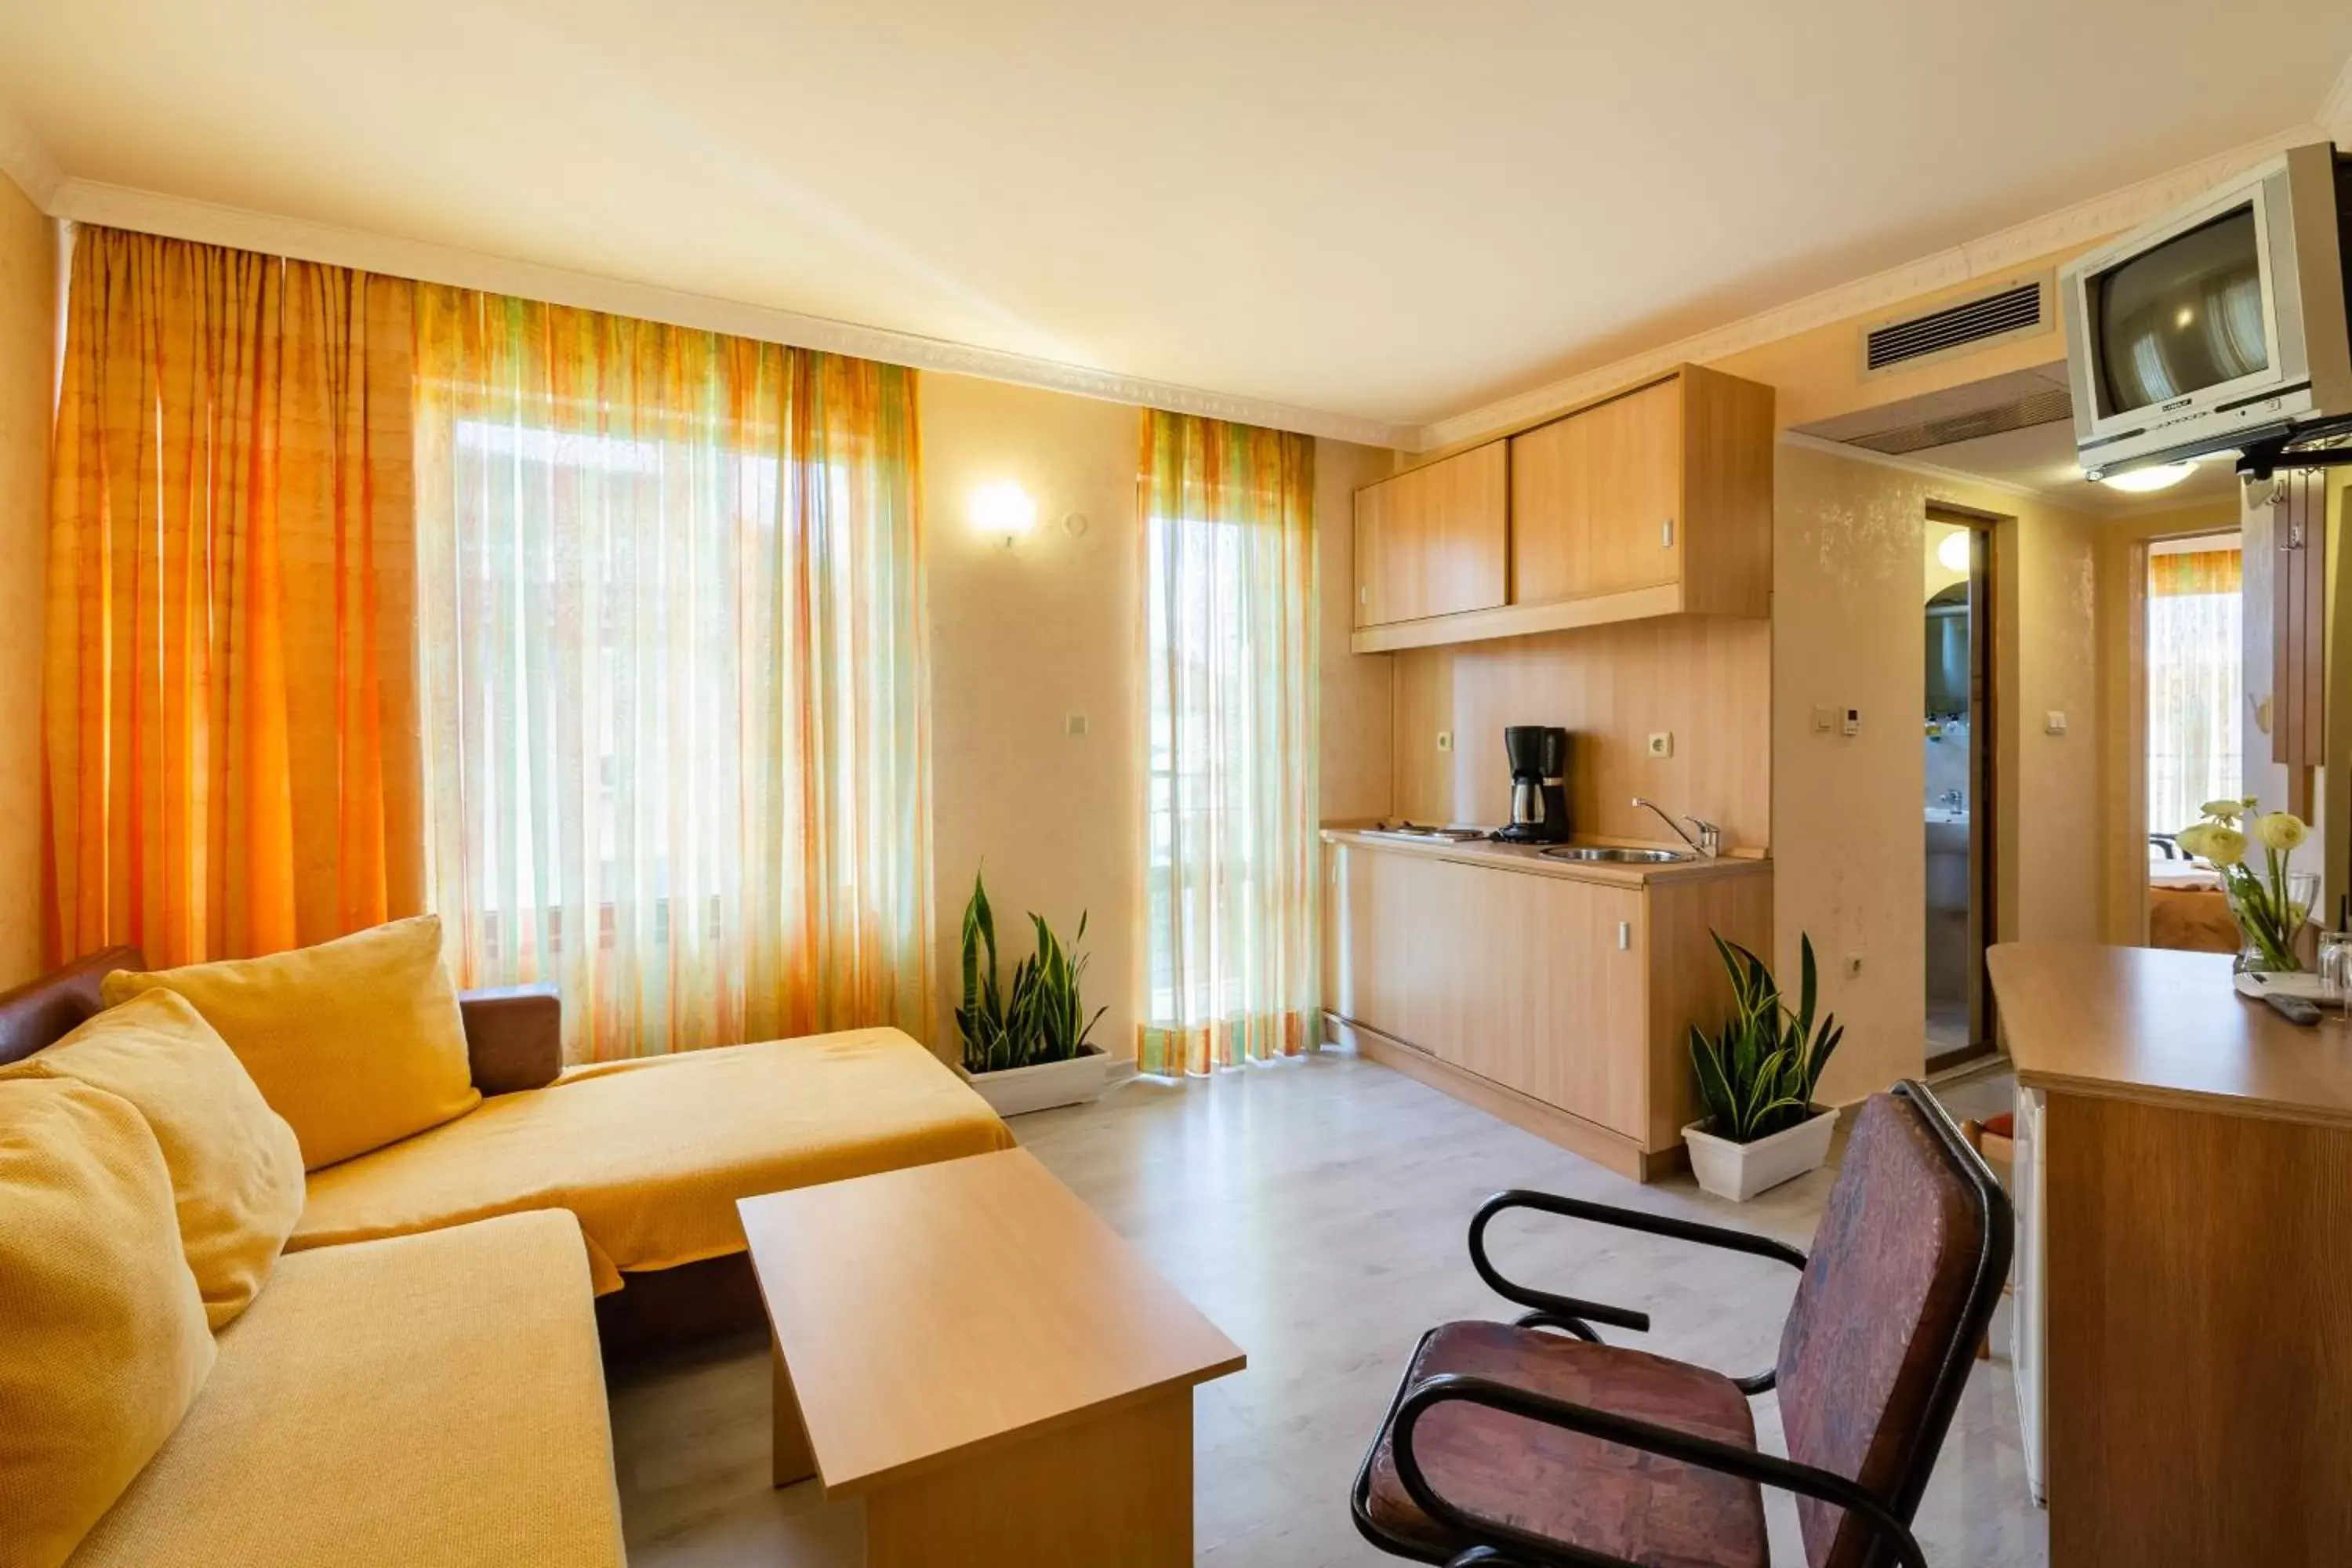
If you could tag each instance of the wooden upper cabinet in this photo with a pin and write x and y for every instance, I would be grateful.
(1433, 541)
(1595, 498)
(1667, 486)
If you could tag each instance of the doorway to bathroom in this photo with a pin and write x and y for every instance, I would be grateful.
(1959, 805)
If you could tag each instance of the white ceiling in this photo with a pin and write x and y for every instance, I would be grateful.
(1385, 210)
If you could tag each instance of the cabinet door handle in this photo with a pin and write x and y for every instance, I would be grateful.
(1624, 936)
(1363, 595)
(1667, 534)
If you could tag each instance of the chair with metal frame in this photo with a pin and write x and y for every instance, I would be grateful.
(1536, 1445)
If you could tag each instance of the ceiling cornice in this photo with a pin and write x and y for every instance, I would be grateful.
(23, 160)
(178, 217)
(1955, 480)
(2068, 228)
(2335, 115)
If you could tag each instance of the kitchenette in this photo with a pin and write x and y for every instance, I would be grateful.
(1577, 620)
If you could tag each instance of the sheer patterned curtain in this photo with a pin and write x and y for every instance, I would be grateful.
(230, 729)
(2194, 680)
(1228, 515)
(670, 607)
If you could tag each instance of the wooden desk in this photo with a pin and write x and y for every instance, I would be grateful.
(972, 1350)
(2197, 1227)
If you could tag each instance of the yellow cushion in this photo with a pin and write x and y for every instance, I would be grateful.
(652, 1155)
(427, 1401)
(236, 1172)
(102, 1336)
(356, 1042)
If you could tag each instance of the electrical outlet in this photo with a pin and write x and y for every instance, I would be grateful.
(1662, 742)
(1445, 740)
(1852, 725)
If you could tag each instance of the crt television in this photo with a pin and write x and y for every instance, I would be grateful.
(2219, 325)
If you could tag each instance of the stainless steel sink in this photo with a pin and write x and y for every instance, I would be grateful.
(1611, 854)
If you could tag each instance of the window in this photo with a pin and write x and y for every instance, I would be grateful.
(1229, 678)
(2194, 680)
(672, 675)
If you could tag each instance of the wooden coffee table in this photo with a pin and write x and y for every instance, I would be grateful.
(973, 1351)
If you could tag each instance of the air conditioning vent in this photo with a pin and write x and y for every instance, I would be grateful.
(2017, 311)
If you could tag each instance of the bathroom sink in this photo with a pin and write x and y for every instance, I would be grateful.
(1611, 855)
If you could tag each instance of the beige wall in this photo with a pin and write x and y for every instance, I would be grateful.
(28, 313)
(1848, 843)
(1353, 765)
(1022, 638)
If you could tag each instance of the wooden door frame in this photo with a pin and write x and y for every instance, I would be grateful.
(1985, 716)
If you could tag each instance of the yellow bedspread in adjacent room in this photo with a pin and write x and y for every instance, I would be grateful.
(652, 1155)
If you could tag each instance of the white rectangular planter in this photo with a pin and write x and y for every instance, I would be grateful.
(1015, 1091)
(1740, 1171)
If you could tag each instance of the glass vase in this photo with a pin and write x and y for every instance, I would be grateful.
(2267, 936)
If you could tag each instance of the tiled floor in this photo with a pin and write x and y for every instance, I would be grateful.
(1316, 1211)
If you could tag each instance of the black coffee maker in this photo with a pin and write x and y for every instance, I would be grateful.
(1538, 758)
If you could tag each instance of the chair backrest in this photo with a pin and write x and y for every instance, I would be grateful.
(1909, 1260)
(43, 1012)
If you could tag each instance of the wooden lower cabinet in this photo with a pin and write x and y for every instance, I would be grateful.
(1564, 1004)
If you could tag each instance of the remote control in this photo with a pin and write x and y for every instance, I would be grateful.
(2294, 1010)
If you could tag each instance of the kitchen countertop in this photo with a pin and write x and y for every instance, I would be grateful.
(2164, 1029)
(1531, 859)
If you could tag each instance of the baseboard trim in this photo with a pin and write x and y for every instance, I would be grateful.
(1605, 1147)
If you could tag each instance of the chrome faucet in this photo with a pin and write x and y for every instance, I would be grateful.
(1709, 842)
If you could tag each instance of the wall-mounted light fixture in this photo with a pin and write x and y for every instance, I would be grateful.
(1003, 509)
(1953, 553)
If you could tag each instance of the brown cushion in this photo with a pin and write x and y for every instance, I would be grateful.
(1601, 1496)
(514, 1037)
(1876, 1313)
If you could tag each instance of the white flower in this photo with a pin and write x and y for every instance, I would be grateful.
(2191, 839)
(2225, 810)
(2225, 846)
(2280, 830)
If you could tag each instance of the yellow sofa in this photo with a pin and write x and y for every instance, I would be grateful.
(434, 1401)
(652, 1155)
(419, 1380)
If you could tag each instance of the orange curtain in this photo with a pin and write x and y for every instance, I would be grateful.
(2176, 572)
(671, 600)
(1230, 879)
(230, 731)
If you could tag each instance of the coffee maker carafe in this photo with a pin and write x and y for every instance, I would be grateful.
(1538, 759)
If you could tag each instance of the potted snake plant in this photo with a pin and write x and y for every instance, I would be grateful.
(1026, 1044)
(1756, 1076)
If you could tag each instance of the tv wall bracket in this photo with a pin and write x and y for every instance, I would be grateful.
(2324, 446)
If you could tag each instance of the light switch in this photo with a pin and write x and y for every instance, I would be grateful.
(1824, 719)
(1445, 740)
(1662, 742)
(2055, 722)
(1076, 725)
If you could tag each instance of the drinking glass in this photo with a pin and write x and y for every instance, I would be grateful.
(2335, 967)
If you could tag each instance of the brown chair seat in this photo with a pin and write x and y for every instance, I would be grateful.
(1644, 1508)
